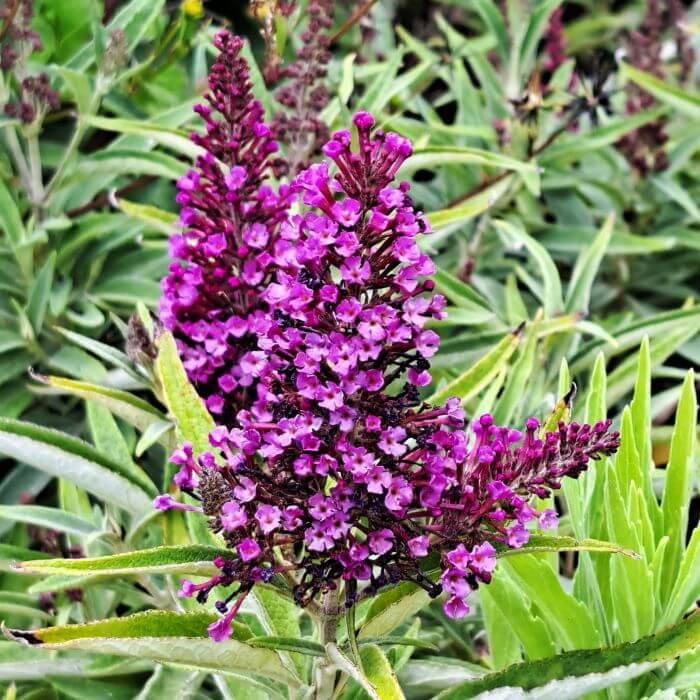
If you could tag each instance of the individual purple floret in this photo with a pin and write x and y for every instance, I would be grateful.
(230, 243)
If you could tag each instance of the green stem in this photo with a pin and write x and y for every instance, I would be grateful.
(18, 158)
(325, 671)
(74, 143)
(352, 635)
(35, 170)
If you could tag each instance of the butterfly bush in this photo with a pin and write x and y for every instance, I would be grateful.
(340, 472)
(211, 296)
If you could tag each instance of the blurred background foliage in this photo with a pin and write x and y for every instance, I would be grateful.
(556, 154)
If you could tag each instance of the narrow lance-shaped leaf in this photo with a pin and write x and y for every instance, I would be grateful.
(122, 404)
(551, 296)
(51, 518)
(677, 491)
(579, 292)
(193, 420)
(164, 637)
(67, 457)
(682, 100)
(481, 373)
(578, 673)
(195, 560)
(391, 607)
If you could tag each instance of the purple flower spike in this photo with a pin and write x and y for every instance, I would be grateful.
(224, 257)
(339, 465)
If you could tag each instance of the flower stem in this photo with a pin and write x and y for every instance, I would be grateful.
(325, 671)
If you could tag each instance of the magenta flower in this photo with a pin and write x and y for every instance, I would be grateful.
(342, 467)
(225, 255)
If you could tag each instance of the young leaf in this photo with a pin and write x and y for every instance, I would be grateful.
(40, 293)
(676, 498)
(193, 420)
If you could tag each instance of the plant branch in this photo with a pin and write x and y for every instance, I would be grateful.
(506, 173)
(359, 13)
(105, 199)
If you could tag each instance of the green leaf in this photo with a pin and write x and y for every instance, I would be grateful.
(157, 219)
(128, 407)
(79, 84)
(578, 673)
(640, 408)
(551, 296)
(535, 29)
(562, 543)
(390, 608)
(433, 157)
(374, 92)
(280, 619)
(67, 457)
(686, 588)
(193, 560)
(51, 518)
(541, 584)
(529, 629)
(133, 18)
(294, 644)
(40, 294)
(110, 441)
(684, 101)
(174, 139)
(171, 682)
(578, 294)
(517, 379)
(103, 351)
(677, 492)
(12, 554)
(165, 637)
(391, 640)
(481, 373)
(426, 676)
(10, 220)
(377, 679)
(492, 17)
(379, 674)
(459, 293)
(126, 161)
(193, 420)
(579, 145)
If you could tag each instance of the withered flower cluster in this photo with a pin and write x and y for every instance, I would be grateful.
(33, 95)
(645, 147)
(303, 92)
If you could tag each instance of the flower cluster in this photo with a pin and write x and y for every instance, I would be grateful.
(645, 147)
(17, 43)
(223, 259)
(304, 94)
(340, 472)
(555, 42)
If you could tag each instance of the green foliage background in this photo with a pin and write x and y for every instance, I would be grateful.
(560, 264)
